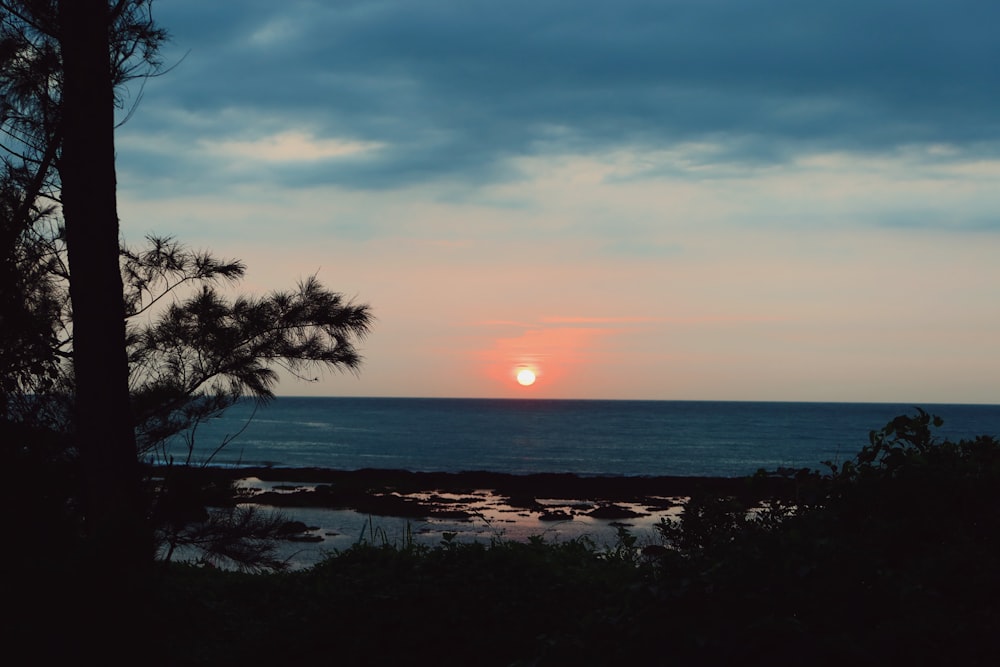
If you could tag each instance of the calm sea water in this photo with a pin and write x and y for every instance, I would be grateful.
(584, 437)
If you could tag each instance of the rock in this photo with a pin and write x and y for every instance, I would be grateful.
(292, 527)
(304, 538)
(613, 511)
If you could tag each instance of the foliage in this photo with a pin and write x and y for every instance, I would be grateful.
(242, 537)
(32, 75)
(192, 351)
(382, 604)
(32, 306)
(201, 353)
(34, 301)
(893, 556)
(35, 336)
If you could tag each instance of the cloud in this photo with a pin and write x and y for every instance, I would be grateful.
(455, 90)
(693, 198)
(600, 320)
(694, 319)
(290, 146)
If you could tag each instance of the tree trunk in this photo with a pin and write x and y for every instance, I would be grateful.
(104, 427)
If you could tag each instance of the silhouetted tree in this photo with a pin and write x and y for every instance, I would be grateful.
(82, 351)
(61, 63)
(86, 165)
(198, 355)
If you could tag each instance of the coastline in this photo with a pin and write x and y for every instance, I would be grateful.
(330, 510)
(463, 496)
(405, 493)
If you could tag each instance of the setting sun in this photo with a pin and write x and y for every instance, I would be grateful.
(525, 377)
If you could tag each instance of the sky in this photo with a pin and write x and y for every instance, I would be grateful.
(778, 200)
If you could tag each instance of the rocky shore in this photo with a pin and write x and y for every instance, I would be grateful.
(448, 495)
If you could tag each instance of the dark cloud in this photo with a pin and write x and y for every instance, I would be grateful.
(453, 88)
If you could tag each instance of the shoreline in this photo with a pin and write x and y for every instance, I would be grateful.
(410, 494)
(330, 510)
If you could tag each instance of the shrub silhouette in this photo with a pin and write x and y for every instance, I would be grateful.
(894, 556)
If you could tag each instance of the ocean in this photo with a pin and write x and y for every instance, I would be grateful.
(585, 437)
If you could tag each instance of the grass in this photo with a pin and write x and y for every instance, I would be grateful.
(501, 602)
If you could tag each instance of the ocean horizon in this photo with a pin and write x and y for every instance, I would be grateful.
(581, 436)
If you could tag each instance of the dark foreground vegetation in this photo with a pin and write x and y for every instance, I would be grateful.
(891, 558)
